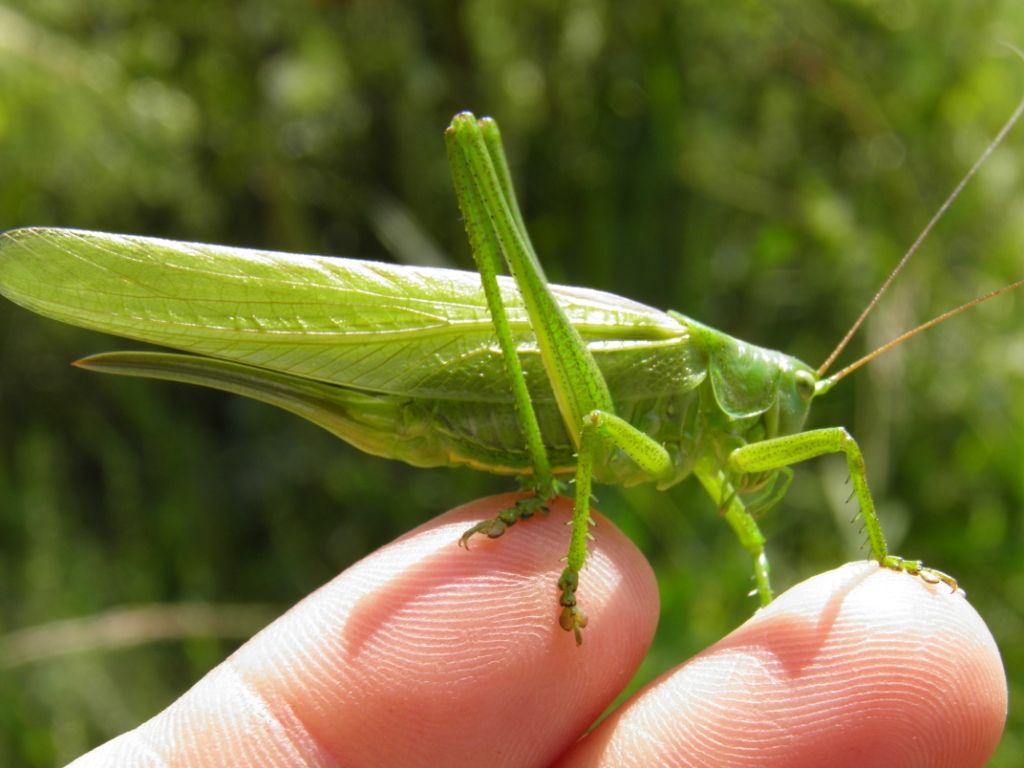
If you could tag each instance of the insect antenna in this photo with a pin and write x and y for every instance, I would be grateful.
(826, 384)
(1007, 126)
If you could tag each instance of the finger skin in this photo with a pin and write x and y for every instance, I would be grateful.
(860, 667)
(422, 654)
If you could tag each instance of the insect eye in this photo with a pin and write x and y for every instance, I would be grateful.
(805, 384)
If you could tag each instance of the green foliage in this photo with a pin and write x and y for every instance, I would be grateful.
(758, 166)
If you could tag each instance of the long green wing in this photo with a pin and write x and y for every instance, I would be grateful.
(373, 423)
(402, 330)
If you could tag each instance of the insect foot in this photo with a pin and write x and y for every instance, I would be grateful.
(917, 568)
(571, 619)
(528, 507)
(523, 509)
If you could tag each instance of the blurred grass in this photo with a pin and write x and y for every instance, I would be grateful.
(758, 166)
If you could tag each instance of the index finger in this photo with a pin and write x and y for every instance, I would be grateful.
(421, 654)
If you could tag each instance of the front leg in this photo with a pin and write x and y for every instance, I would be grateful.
(782, 451)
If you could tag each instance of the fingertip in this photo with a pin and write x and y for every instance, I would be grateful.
(429, 654)
(426, 654)
(860, 666)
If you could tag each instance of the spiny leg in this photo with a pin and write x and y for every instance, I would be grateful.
(575, 378)
(496, 150)
(580, 390)
(485, 249)
(742, 522)
(782, 451)
(599, 427)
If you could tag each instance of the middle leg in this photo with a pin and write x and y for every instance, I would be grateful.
(600, 428)
(742, 523)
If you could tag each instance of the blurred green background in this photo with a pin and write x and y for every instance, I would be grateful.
(759, 166)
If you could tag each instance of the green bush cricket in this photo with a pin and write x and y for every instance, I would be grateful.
(418, 364)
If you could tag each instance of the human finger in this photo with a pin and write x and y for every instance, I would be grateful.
(860, 666)
(422, 654)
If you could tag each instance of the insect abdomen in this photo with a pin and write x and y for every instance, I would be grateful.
(487, 436)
